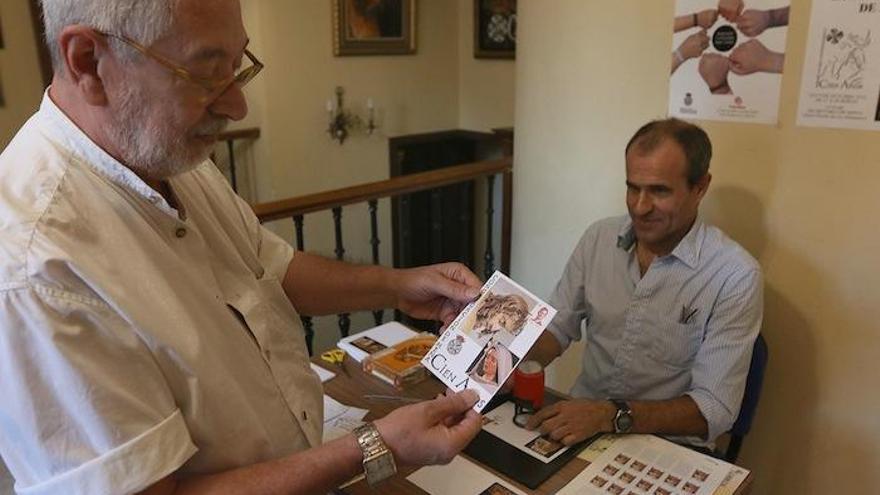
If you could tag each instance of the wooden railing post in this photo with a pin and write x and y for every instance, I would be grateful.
(344, 320)
(374, 242)
(489, 257)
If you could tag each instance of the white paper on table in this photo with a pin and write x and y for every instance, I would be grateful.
(499, 422)
(323, 374)
(460, 477)
(649, 464)
(340, 419)
(487, 340)
(597, 447)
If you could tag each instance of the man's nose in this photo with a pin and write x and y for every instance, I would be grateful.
(231, 103)
(643, 204)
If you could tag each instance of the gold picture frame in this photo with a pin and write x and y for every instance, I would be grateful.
(374, 27)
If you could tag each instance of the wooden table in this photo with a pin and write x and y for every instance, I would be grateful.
(351, 389)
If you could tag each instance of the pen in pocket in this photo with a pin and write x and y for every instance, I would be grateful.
(687, 314)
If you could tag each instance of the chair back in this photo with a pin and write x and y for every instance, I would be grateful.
(754, 383)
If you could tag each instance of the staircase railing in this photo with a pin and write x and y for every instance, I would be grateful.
(230, 137)
(370, 193)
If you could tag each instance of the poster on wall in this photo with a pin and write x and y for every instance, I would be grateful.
(727, 59)
(840, 86)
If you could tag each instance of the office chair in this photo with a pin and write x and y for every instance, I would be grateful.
(752, 393)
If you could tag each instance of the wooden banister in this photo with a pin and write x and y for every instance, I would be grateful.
(229, 137)
(404, 184)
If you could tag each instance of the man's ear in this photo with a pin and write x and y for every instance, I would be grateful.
(81, 49)
(702, 184)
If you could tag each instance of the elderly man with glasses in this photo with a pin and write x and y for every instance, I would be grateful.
(149, 331)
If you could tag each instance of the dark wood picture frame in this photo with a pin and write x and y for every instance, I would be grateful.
(374, 27)
(495, 28)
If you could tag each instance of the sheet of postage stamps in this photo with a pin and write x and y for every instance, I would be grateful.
(486, 341)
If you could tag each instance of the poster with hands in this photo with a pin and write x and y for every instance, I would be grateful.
(727, 59)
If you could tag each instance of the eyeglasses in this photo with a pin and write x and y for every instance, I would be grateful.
(212, 86)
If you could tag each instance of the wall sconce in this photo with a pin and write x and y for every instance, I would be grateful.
(343, 122)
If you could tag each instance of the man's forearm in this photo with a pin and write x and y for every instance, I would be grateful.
(684, 22)
(320, 286)
(545, 350)
(317, 470)
(679, 417)
(779, 17)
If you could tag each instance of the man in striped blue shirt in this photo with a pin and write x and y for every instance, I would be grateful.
(671, 305)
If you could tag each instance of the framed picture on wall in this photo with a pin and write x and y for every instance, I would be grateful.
(374, 27)
(494, 28)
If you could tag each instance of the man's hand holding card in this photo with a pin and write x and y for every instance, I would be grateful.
(485, 342)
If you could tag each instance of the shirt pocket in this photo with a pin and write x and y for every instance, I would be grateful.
(249, 297)
(672, 343)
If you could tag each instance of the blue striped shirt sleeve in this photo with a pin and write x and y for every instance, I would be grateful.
(569, 298)
(722, 363)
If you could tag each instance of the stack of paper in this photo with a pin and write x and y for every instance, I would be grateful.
(340, 419)
(460, 477)
(323, 374)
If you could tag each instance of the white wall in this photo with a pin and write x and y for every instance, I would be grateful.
(486, 86)
(801, 200)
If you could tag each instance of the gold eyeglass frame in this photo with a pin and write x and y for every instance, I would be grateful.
(212, 86)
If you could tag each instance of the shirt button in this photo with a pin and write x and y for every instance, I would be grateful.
(305, 416)
(181, 232)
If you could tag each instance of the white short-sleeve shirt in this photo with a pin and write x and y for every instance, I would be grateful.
(135, 339)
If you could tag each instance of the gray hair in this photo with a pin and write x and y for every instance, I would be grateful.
(142, 20)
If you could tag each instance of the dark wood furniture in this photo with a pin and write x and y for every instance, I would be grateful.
(441, 224)
(437, 225)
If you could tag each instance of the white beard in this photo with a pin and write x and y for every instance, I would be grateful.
(156, 149)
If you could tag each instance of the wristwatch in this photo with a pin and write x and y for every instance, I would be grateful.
(623, 420)
(378, 459)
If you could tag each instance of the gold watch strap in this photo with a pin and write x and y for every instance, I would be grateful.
(378, 459)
